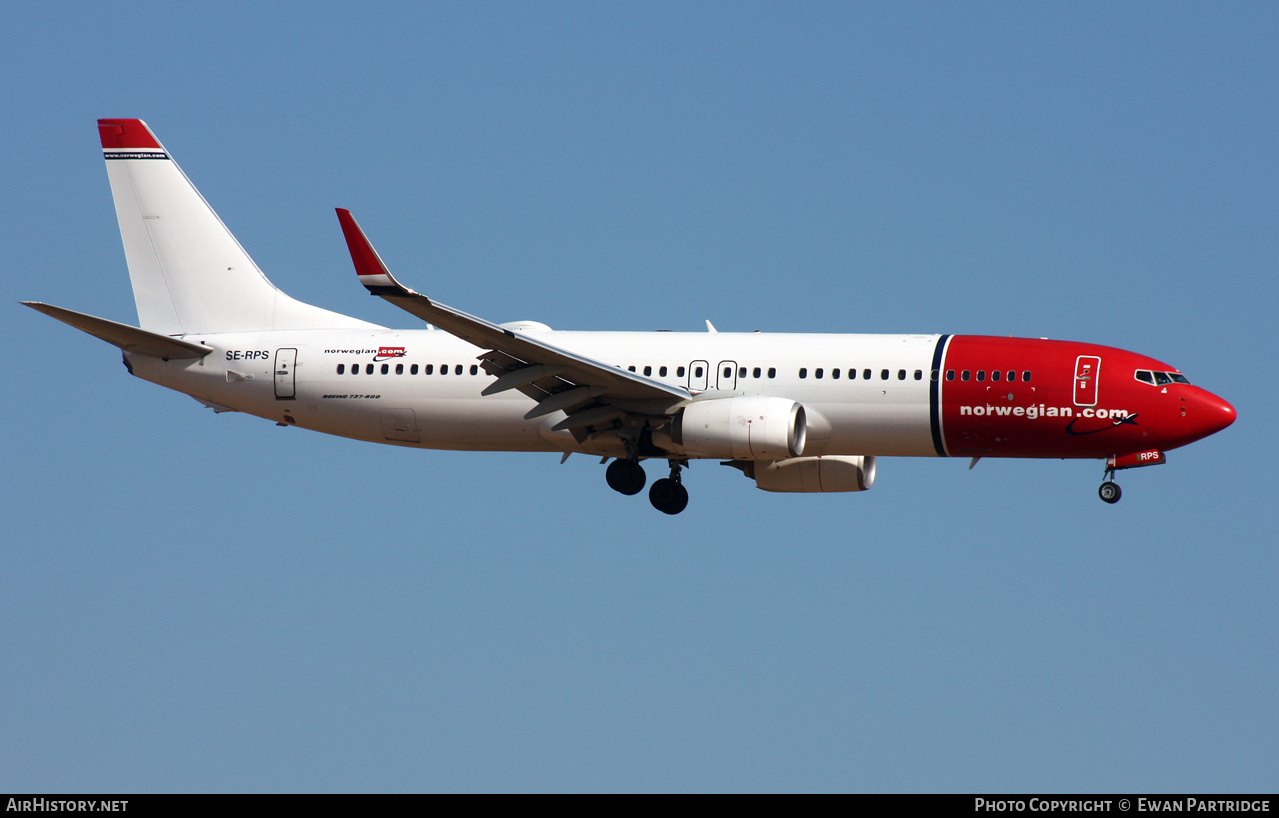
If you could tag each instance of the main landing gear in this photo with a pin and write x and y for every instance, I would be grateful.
(625, 476)
(667, 495)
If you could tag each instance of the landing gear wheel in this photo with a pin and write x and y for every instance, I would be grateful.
(625, 476)
(668, 496)
(1109, 492)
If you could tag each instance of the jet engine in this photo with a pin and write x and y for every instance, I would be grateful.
(826, 473)
(741, 428)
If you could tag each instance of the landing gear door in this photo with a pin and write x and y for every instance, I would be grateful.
(1087, 368)
(286, 360)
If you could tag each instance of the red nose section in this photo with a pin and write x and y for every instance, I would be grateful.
(1212, 414)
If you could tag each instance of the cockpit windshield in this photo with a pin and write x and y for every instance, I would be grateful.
(1160, 378)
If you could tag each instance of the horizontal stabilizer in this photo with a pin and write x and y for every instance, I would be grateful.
(130, 339)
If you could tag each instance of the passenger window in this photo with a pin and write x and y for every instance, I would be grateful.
(919, 374)
(981, 375)
(950, 374)
(755, 373)
(697, 372)
(399, 369)
(368, 369)
(341, 369)
(834, 373)
(1145, 376)
(1025, 376)
(934, 376)
(963, 376)
(457, 370)
(430, 369)
(865, 374)
(741, 373)
(679, 372)
(901, 374)
(444, 369)
(386, 369)
(661, 372)
(631, 368)
(818, 374)
(803, 372)
(883, 374)
(1012, 376)
(475, 369)
(648, 370)
(728, 372)
(995, 375)
(413, 369)
(772, 372)
(852, 374)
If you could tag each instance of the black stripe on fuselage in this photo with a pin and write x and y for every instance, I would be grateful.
(934, 395)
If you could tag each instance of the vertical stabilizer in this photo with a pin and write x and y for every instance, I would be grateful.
(189, 273)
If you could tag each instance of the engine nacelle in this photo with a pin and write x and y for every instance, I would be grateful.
(826, 473)
(741, 428)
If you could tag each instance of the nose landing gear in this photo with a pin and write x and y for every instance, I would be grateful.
(1109, 490)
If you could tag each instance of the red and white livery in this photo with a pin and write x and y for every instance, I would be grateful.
(794, 412)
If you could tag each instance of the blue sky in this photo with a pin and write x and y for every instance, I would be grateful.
(191, 602)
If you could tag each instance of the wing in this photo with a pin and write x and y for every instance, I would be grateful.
(592, 392)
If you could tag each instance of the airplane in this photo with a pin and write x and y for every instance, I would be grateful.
(793, 412)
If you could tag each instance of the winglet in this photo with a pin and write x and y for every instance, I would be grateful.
(368, 264)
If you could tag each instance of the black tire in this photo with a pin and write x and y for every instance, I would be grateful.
(625, 476)
(668, 496)
(1110, 492)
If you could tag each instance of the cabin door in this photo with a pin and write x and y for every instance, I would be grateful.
(286, 361)
(1087, 368)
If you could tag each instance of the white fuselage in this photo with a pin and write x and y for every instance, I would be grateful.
(402, 396)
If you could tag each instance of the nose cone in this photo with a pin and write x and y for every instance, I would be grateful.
(1212, 414)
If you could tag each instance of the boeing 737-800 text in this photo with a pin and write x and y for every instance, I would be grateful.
(794, 412)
